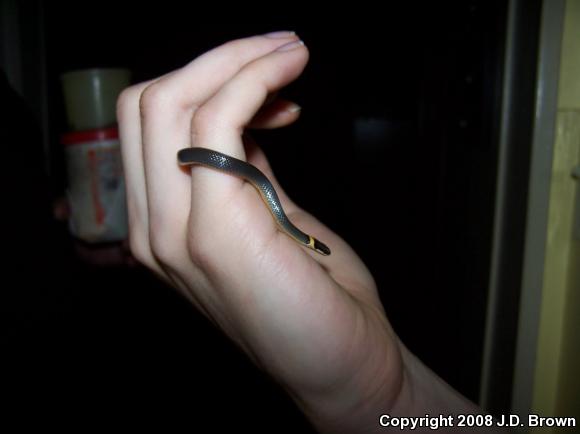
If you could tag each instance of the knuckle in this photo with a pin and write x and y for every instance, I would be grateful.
(204, 121)
(155, 97)
(259, 75)
(237, 51)
(126, 102)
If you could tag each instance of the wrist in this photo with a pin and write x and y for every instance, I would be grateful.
(424, 393)
(374, 388)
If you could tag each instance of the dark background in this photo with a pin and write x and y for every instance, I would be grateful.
(395, 150)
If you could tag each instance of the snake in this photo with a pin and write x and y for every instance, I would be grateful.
(251, 174)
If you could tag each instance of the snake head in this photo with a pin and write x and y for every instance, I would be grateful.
(321, 248)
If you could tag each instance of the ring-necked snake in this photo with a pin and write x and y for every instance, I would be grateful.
(249, 173)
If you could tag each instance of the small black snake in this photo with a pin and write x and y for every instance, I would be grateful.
(249, 173)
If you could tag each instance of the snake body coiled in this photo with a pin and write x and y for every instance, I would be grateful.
(251, 174)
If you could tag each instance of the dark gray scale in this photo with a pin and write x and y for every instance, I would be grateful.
(254, 176)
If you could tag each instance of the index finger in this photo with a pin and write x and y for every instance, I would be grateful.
(154, 119)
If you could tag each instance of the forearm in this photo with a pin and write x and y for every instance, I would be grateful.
(424, 402)
(425, 393)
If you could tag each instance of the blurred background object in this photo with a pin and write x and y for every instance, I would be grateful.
(95, 184)
(90, 96)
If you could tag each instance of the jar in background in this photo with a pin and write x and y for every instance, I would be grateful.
(90, 96)
(96, 187)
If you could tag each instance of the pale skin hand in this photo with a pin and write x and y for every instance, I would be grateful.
(314, 323)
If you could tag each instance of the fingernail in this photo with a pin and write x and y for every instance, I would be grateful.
(294, 108)
(290, 46)
(279, 35)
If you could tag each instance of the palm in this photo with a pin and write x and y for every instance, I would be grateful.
(310, 318)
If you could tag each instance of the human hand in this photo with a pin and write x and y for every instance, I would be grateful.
(314, 323)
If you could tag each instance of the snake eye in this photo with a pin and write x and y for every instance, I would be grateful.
(321, 247)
